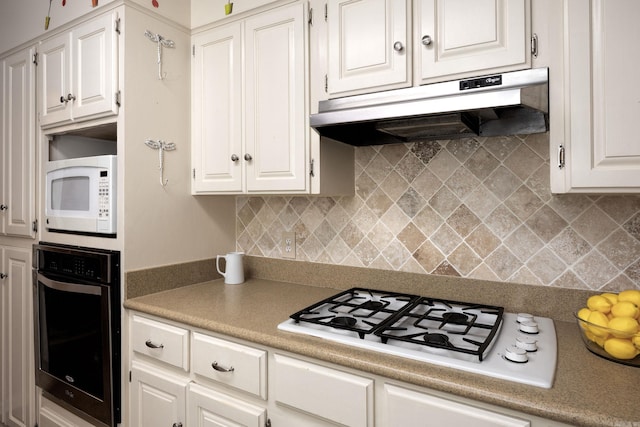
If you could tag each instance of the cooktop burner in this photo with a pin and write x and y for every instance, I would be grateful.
(473, 337)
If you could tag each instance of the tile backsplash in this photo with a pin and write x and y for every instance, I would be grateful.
(477, 208)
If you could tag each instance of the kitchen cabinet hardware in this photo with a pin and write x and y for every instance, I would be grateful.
(426, 40)
(151, 344)
(69, 97)
(398, 47)
(561, 154)
(161, 146)
(534, 45)
(160, 42)
(234, 158)
(219, 368)
(248, 157)
(3, 276)
(177, 424)
(4, 207)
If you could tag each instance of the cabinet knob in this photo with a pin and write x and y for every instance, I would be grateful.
(2, 275)
(62, 100)
(4, 207)
(426, 40)
(234, 158)
(248, 157)
(398, 47)
(71, 97)
(177, 424)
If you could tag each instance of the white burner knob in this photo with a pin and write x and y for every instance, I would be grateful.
(527, 343)
(524, 317)
(529, 327)
(515, 354)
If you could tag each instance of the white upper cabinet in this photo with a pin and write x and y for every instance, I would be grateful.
(599, 106)
(276, 144)
(387, 44)
(78, 74)
(17, 149)
(249, 133)
(217, 110)
(369, 44)
(469, 36)
(250, 111)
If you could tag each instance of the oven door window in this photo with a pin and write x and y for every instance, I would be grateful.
(73, 333)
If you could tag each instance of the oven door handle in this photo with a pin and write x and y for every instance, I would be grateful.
(69, 287)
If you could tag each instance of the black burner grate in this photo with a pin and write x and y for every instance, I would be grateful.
(358, 310)
(390, 316)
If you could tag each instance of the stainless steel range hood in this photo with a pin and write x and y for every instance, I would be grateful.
(499, 104)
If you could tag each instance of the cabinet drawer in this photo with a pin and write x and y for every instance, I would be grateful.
(328, 393)
(160, 341)
(230, 363)
(410, 408)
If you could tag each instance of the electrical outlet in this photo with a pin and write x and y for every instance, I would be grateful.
(289, 244)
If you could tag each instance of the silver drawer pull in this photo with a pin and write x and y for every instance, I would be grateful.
(219, 368)
(151, 344)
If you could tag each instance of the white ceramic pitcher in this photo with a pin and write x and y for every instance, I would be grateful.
(234, 274)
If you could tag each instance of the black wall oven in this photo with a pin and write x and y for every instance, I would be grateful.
(77, 329)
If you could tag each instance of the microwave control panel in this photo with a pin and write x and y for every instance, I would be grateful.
(103, 195)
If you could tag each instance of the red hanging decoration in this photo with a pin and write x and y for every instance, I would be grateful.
(155, 3)
(64, 2)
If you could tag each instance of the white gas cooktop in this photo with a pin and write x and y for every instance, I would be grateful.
(513, 347)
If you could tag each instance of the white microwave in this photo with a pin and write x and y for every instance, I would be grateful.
(80, 195)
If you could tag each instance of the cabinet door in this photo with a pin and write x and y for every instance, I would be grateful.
(18, 140)
(276, 112)
(157, 397)
(78, 73)
(409, 408)
(601, 105)
(54, 81)
(369, 45)
(209, 408)
(217, 111)
(16, 358)
(469, 36)
(94, 82)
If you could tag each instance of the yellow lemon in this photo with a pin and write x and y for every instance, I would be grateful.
(636, 341)
(623, 327)
(612, 298)
(631, 295)
(620, 348)
(598, 321)
(625, 309)
(599, 303)
(583, 314)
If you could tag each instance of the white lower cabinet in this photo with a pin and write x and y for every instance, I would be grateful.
(17, 384)
(231, 383)
(158, 396)
(210, 408)
(180, 377)
(337, 396)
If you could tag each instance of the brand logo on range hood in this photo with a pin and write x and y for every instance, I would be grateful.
(504, 104)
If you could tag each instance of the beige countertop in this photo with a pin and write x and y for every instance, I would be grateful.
(588, 390)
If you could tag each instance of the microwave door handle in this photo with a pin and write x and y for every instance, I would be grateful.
(69, 287)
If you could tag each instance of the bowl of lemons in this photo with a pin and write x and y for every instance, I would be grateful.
(610, 326)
